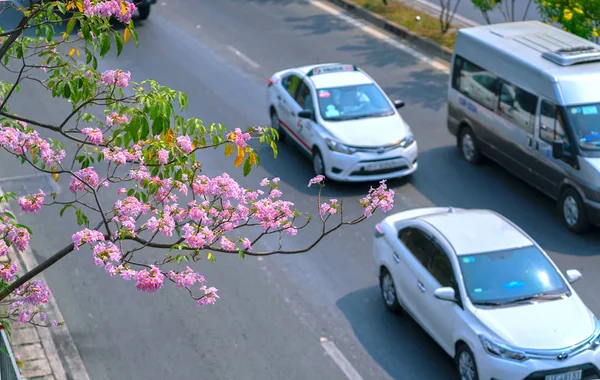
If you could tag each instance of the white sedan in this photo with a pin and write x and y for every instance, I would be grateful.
(488, 294)
(343, 121)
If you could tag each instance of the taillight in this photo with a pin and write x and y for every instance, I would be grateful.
(270, 82)
(378, 231)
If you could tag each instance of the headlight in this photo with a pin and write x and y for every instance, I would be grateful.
(339, 147)
(502, 350)
(595, 341)
(409, 139)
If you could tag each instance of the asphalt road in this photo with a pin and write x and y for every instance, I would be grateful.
(272, 313)
(523, 10)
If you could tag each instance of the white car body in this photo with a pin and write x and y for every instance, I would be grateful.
(365, 149)
(556, 339)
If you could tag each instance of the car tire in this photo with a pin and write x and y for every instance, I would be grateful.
(468, 146)
(275, 124)
(465, 363)
(318, 163)
(388, 291)
(144, 11)
(572, 211)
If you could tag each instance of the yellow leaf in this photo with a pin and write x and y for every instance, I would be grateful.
(54, 174)
(238, 161)
(169, 137)
(32, 151)
(70, 6)
(123, 8)
(126, 34)
(210, 256)
(80, 5)
(78, 53)
(64, 36)
(228, 150)
(240, 151)
(71, 52)
(252, 158)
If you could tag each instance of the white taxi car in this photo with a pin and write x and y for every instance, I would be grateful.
(488, 294)
(340, 117)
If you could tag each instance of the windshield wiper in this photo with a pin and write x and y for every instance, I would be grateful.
(487, 303)
(539, 296)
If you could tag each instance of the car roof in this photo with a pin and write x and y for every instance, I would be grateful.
(336, 78)
(477, 231)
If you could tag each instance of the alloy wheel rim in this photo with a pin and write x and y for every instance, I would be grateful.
(570, 210)
(318, 164)
(466, 366)
(468, 147)
(388, 290)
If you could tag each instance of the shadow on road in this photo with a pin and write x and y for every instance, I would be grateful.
(367, 51)
(317, 25)
(395, 342)
(427, 88)
(446, 179)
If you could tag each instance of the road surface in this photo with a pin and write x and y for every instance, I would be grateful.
(523, 10)
(272, 314)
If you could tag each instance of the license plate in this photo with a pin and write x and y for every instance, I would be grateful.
(384, 165)
(575, 375)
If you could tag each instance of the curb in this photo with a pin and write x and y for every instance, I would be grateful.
(422, 43)
(36, 347)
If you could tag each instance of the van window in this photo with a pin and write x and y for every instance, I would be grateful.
(475, 83)
(517, 106)
(551, 128)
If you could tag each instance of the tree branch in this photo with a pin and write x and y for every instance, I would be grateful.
(29, 121)
(14, 86)
(14, 35)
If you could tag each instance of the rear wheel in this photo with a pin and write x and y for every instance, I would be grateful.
(277, 125)
(388, 291)
(572, 211)
(468, 146)
(144, 11)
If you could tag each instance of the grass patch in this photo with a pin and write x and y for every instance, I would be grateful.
(428, 26)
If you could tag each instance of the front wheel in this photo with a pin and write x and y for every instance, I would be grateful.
(572, 211)
(318, 164)
(465, 361)
(144, 11)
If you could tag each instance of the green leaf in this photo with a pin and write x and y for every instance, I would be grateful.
(62, 211)
(274, 147)
(67, 91)
(157, 126)
(130, 192)
(211, 257)
(145, 130)
(247, 167)
(18, 225)
(104, 45)
(119, 42)
(71, 25)
(94, 63)
(82, 218)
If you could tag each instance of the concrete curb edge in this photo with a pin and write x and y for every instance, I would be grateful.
(422, 43)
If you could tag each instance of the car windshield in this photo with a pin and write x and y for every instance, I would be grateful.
(503, 277)
(585, 122)
(352, 102)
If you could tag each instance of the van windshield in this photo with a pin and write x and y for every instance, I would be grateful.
(585, 122)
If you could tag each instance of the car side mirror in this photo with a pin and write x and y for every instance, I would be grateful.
(446, 294)
(558, 149)
(573, 275)
(306, 114)
(399, 104)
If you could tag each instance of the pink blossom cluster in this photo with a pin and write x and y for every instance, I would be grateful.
(239, 138)
(21, 142)
(114, 119)
(163, 156)
(380, 197)
(32, 203)
(185, 143)
(117, 78)
(121, 156)
(8, 271)
(82, 179)
(13, 235)
(104, 253)
(27, 300)
(329, 208)
(185, 279)
(122, 10)
(94, 135)
(316, 180)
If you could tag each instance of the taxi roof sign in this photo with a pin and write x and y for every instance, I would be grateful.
(335, 68)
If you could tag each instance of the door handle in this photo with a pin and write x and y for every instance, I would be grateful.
(421, 286)
(293, 113)
(396, 258)
(278, 97)
(529, 140)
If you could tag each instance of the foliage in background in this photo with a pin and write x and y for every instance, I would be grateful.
(581, 17)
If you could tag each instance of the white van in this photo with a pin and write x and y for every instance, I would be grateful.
(527, 95)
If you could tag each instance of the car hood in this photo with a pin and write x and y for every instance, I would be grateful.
(375, 132)
(546, 325)
(595, 162)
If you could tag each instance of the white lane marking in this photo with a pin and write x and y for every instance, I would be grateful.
(338, 358)
(380, 35)
(243, 57)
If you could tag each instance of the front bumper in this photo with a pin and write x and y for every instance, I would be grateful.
(491, 367)
(362, 166)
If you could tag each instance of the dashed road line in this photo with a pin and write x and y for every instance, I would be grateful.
(340, 360)
(243, 57)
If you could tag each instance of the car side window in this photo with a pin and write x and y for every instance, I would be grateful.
(441, 268)
(417, 242)
(551, 126)
(304, 97)
(517, 106)
(475, 82)
(291, 83)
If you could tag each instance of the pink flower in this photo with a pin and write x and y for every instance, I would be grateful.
(163, 156)
(3, 248)
(227, 244)
(210, 296)
(186, 278)
(115, 119)
(185, 143)
(275, 193)
(381, 198)
(238, 137)
(264, 182)
(93, 134)
(86, 236)
(117, 78)
(149, 281)
(121, 191)
(18, 237)
(105, 253)
(88, 176)
(33, 293)
(247, 244)
(316, 180)
(8, 271)
(33, 203)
